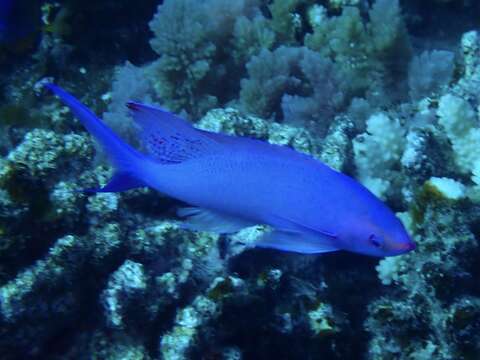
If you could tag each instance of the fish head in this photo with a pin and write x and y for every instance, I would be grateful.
(382, 244)
(381, 234)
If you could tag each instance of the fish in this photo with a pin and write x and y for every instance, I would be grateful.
(234, 182)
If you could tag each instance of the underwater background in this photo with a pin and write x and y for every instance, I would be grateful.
(386, 91)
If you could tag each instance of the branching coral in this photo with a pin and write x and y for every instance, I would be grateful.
(193, 72)
(271, 75)
(129, 83)
(303, 82)
(286, 20)
(377, 151)
(250, 36)
(429, 72)
(370, 55)
(322, 96)
(460, 122)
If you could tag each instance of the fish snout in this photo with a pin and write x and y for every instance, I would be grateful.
(411, 246)
(405, 247)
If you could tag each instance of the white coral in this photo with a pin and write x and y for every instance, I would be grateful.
(388, 269)
(449, 188)
(378, 150)
(460, 122)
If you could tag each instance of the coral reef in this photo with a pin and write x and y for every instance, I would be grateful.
(377, 150)
(427, 301)
(385, 91)
(433, 285)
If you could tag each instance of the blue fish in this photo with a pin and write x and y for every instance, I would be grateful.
(235, 182)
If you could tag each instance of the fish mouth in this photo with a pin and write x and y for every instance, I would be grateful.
(406, 247)
(402, 248)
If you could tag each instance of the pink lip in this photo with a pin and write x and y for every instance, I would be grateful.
(406, 247)
(409, 246)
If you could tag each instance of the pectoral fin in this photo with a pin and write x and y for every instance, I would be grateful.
(208, 220)
(297, 242)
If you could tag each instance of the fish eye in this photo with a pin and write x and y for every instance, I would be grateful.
(376, 241)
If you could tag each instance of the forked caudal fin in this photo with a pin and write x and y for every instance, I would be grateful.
(125, 159)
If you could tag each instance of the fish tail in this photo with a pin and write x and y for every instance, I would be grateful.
(126, 160)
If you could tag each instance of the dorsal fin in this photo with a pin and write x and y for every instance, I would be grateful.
(167, 137)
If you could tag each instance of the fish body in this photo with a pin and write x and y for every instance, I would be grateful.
(234, 182)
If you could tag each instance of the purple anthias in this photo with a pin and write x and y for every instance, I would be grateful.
(235, 182)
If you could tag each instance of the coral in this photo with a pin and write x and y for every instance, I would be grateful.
(250, 36)
(190, 72)
(333, 36)
(359, 111)
(145, 241)
(377, 150)
(178, 342)
(230, 121)
(470, 45)
(336, 146)
(124, 288)
(103, 205)
(429, 72)
(274, 75)
(388, 29)
(286, 23)
(370, 55)
(322, 320)
(129, 83)
(116, 276)
(336, 4)
(42, 150)
(388, 270)
(271, 74)
(15, 293)
(189, 51)
(459, 120)
(65, 199)
(324, 96)
(426, 155)
(27, 302)
(244, 239)
(103, 344)
(448, 188)
(426, 280)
